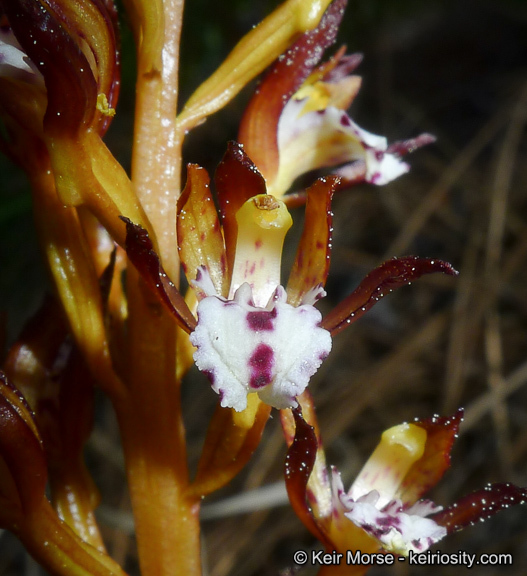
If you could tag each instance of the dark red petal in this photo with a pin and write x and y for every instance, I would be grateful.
(429, 469)
(54, 378)
(141, 252)
(311, 265)
(70, 84)
(299, 463)
(387, 277)
(259, 125)
(20, 448)
(480, 505)
(237, 179)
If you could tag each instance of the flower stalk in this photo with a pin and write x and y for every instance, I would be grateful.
(156, 155)
(149, 413)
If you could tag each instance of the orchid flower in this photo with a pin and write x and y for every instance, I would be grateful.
(383, 509)
(254, 340)
(60, 80)
(252, 335)
(374, 502)
(296, 121)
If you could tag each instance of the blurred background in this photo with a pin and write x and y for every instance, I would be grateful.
(456, 69)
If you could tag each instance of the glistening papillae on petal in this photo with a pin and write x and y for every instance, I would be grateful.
(237, 180)
(273, 351)
(441, 432)
(311, 265)
(480, 505)
(299, 464)
(382, 280)
(141, 253)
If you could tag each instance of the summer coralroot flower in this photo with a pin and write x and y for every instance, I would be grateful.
(383, 509)
(296, 121)
(254, 340)
(253, 335)
(376, 503)
(64, 59)
(59, 83)
(58, 90)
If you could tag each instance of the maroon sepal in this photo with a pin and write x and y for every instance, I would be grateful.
(22, 460)
(140, 250)
(387, 277)
(236, 179)
(299, 463)
(70, 85)
(259, 125)
(480, 505)
(51, 35)
(441, 433)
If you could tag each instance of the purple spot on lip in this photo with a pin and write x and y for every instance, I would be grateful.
(418, 544)
(210, 375)
(344, 120)
(261, 363)
(261, 321)
(388, 522)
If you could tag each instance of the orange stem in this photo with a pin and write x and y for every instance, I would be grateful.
(150, 419)
(149, 413)
(156, 161)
